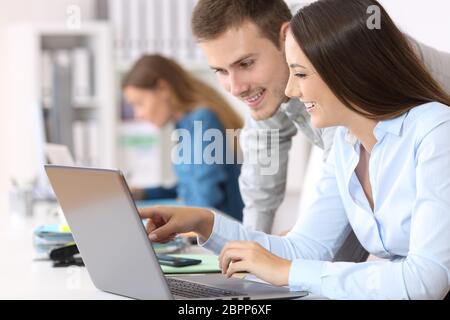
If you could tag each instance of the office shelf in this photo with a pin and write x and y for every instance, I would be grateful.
(61, 79)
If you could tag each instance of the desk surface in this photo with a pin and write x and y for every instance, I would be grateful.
(24, 277)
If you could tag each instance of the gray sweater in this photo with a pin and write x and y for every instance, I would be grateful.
(263, 183)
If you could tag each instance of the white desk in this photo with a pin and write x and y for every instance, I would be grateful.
(21, 277)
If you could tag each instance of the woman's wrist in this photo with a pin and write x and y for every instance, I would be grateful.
(206, 224)
(286, 269)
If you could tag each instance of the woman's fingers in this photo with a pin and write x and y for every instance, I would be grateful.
(238, 266)
(150, 226)
(229, 256)
(156, 212)
(238, 245)
(164, 232)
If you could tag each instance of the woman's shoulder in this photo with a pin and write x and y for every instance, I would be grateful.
(427, 121)
(203, 112)
(428, 115)
(207, 116)
(433, 107)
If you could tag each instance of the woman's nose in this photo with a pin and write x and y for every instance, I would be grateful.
(292, 90)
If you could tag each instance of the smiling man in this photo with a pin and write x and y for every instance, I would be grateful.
(244, 44)
(250, 67)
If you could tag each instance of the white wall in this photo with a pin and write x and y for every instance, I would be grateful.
(42, 10)
(426, 20)
(19, 11)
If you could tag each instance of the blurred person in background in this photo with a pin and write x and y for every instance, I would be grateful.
(162, 92)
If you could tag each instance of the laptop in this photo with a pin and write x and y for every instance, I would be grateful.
(115, 248)
(58, 154)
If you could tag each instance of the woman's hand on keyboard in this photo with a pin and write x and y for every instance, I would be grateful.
(249, 256)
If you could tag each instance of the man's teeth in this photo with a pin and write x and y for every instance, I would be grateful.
(255, 97)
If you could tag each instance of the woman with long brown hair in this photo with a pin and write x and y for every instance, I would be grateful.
(387, 176)
(161, 91)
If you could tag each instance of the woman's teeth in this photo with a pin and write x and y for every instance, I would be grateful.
(310, 105)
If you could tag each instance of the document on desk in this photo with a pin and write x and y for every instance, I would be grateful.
(210, 264)
(158, 202)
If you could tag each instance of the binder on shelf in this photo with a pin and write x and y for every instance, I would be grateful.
(116, 14)
(150, 14)
(81, 82)
(94, 143)
(169, 28)
(158, 23)
(54, 69)
(183, 30)
(134, 27)
(142, 13)
(61, 115)
(47, 78)
(188, 42)
(153, 26)
(86, 143)
(79, 148)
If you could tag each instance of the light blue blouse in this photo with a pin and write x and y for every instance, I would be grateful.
(409, 227)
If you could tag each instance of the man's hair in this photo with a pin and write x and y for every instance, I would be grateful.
(211, 18)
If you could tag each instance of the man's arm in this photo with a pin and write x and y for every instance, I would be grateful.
(263, 191)
(265, 145)
(437, 62)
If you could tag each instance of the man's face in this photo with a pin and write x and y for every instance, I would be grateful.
(250, 67)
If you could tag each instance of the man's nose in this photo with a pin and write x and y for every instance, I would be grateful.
(238, 86)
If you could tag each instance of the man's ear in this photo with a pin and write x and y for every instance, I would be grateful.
(283, 33)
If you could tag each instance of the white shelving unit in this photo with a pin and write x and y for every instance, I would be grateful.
(27, 45)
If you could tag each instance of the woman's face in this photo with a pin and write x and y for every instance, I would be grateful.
(306, 84)
(149, 105)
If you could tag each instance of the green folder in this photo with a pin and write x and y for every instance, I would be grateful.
(210, 264)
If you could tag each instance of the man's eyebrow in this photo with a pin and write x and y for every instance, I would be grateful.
(237, 61)
(242, 58)
(296, 65)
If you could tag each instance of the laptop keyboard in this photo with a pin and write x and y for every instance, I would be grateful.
(188, 289)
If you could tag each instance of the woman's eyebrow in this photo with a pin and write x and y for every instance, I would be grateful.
(296, 65)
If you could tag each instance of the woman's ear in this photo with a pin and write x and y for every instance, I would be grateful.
(162, 87)
(161, 84)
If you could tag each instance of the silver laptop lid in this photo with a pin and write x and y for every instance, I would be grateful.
(58, 154)
(119, 259)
